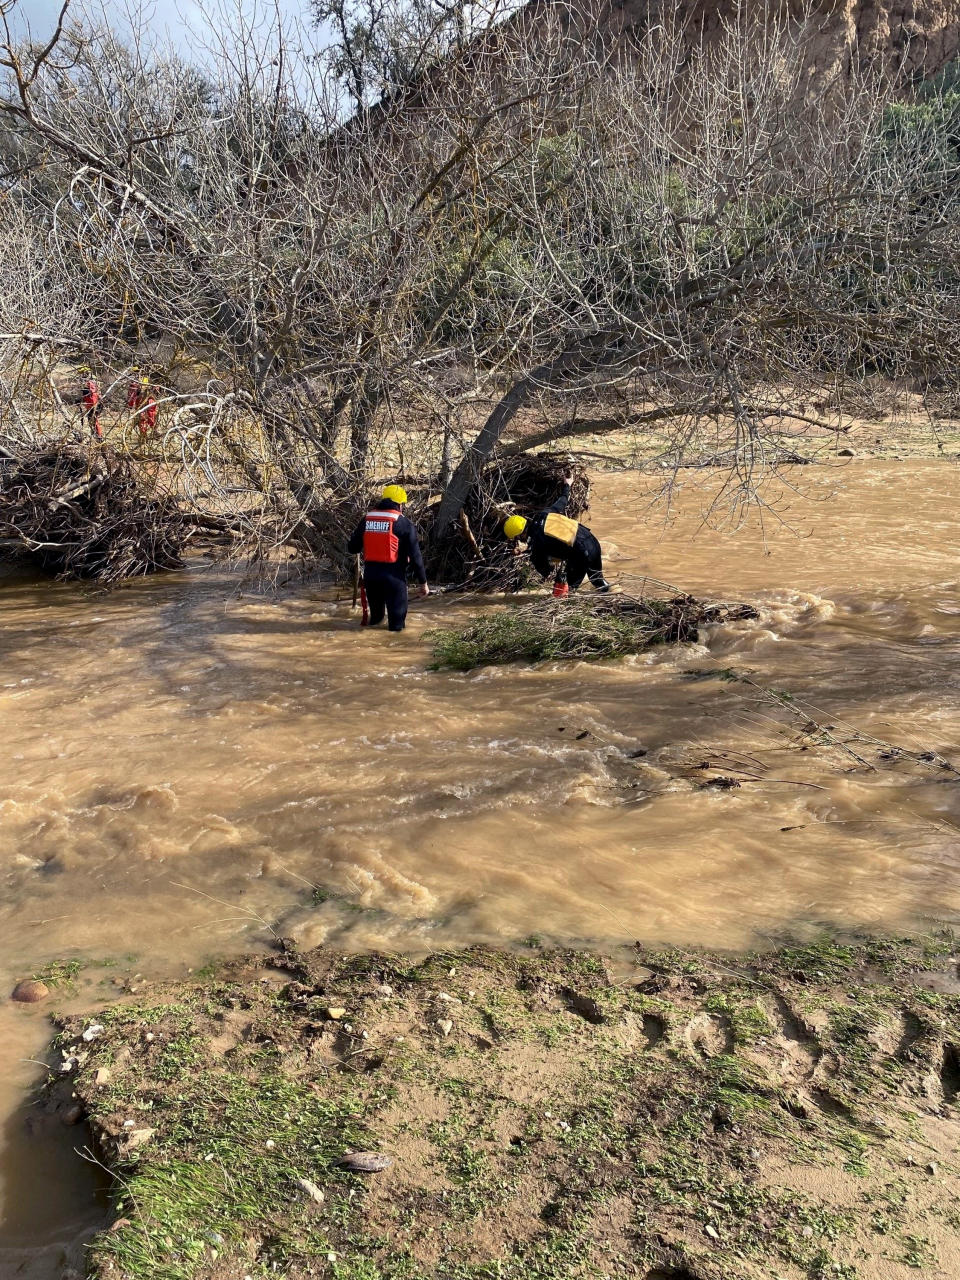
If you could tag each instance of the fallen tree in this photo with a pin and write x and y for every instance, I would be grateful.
(475, 554)
(80, 515)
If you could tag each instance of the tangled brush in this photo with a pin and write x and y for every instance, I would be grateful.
(85, 515)
(585, 627)
(479, 557)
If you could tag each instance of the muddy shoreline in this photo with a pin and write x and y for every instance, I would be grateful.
(670, 1114)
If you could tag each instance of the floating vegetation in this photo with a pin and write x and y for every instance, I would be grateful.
(585, 627)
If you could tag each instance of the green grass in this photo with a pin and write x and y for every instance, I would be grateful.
(585, 627)
(223, 1182)
(60, 973)
(532, 1110)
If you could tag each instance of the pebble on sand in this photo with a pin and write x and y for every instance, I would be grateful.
(364, 1162)
(30, 991)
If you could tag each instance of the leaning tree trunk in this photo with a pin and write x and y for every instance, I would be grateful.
(586, 353)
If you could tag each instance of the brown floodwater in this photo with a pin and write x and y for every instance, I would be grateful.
(188, 771)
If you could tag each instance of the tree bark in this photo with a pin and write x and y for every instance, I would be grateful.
(588, 352)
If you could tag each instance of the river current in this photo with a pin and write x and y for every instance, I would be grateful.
(188, 771)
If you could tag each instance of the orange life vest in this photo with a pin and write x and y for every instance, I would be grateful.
(380, 544)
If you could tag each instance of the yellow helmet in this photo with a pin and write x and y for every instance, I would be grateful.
(514, 526)
(395, 493)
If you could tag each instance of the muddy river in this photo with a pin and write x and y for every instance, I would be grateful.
(187, 771)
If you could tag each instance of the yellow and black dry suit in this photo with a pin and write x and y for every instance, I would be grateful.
(553, 536)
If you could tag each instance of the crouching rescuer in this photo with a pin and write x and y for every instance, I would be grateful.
(557, 542)
(388, 542)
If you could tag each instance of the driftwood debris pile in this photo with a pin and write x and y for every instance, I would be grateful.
(586, 626)
(85, 515)
(479, 557)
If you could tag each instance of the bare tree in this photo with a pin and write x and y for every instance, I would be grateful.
(621, 234)
(730, 242)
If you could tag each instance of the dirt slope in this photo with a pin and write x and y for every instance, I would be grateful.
(912, 39)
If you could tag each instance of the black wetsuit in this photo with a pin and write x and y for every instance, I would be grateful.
(583, 559)
(386, 584)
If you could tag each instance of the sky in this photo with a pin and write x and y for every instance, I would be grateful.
(178, 20)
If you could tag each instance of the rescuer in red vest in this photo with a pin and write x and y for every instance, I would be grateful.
(389, 545)
(148, 414)
(133, 391)
(141, 398)
(90, 398)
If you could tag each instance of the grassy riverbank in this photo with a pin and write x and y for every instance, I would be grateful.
(548, 1114)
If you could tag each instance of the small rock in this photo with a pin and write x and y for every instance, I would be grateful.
(270, 1144)
(72, 1115)
(932, 1168)
(385, 990)
(807, 1233)
(134, 1138)
(712, 1232)
(445, 1025)
(845, 453)
(95, 1029)
(364, 1162)
(103, 1076)
(334, 1013)
(30, 991)
(311, 1188)
(149, 1037)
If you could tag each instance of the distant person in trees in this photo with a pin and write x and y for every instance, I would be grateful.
(148, 413)
(389, 545)
(90, 399)
(557, 542)
(142, 399)
(133, 391)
